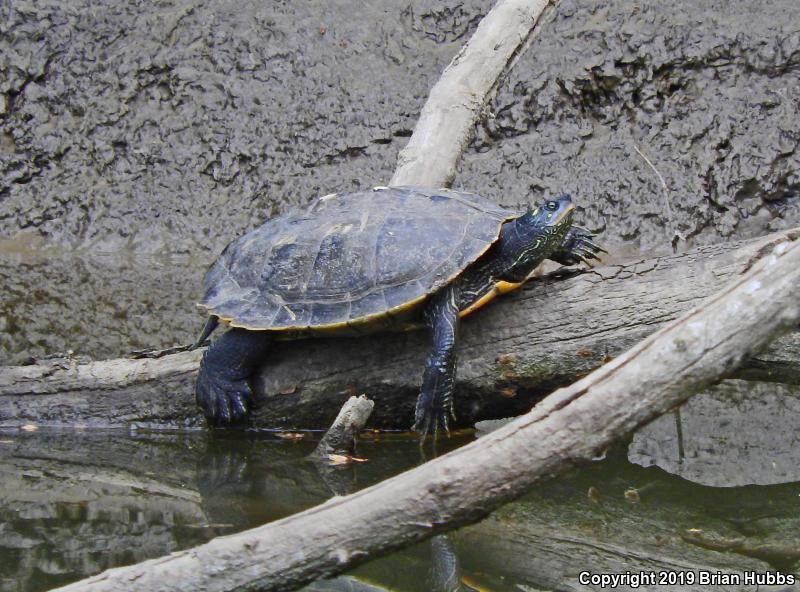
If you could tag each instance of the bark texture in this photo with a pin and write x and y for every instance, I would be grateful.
(340, 438)
(510, 355)
(572, 425)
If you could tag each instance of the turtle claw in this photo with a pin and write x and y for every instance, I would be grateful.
(578, 247)
(586, 254)
(430, 420)
(224, 399)
(223, 388)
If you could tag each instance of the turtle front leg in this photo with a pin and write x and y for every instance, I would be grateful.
(223, 390)
(435, 402)
(577, 246)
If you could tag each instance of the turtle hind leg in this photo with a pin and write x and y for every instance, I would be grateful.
(211, 324)
(435, 402)
(223, 390)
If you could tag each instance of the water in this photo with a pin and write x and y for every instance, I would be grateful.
(103, 305)
(73, 503)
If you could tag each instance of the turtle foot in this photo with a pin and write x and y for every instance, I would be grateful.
(429, 418)
(223, 399)
(578, 247)
(431, 423)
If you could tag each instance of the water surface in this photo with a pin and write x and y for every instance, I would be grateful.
(75, 503)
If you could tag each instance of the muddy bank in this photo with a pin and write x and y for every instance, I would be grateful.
(704, 91)
(181, 125)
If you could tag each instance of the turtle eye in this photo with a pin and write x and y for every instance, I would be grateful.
(552, 206)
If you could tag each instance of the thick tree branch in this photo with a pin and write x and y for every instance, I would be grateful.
(572, 425)
(511, 353)
(456, 100)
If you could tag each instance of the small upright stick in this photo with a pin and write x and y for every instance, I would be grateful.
(341, 436)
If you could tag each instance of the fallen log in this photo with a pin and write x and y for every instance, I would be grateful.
(511, 354)
(572, 425)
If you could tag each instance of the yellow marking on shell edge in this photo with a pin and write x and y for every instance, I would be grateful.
(500, 287)
(332, 327)
(472, 584)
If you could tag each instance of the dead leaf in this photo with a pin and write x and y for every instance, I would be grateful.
(342, 459)
(291, 435)
(508, 392)
(632, 495)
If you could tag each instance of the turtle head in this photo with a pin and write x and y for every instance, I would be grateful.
(533, 237)
(553, 217)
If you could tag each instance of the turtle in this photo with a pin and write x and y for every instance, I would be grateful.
(384, 259)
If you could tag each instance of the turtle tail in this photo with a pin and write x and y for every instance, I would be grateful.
(211, 324)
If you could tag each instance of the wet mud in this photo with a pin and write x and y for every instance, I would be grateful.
(662, 120)
(99, 306)
(179, 126)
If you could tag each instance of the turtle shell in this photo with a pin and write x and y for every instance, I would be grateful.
(350, 260)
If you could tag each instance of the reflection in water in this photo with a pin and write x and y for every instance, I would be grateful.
(75, 503)
(728, 436)
(102, 306)
(445, 570)
(444, 573)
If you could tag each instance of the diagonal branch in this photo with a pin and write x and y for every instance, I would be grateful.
(458, 97)
(517, 350)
